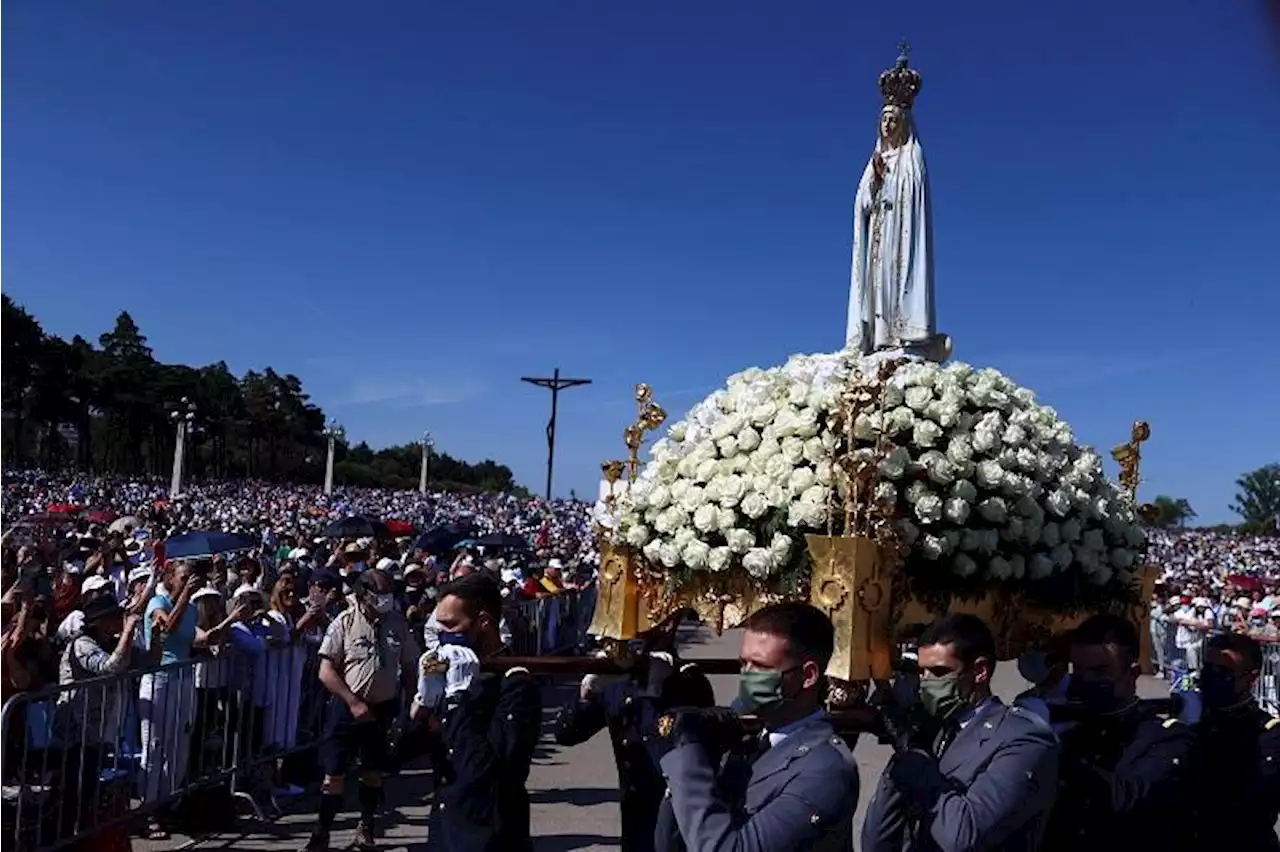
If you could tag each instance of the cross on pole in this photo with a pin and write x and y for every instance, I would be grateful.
(555, 384)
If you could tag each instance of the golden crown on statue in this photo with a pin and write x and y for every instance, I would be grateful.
(899, 85)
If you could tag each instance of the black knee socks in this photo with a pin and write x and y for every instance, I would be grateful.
(330, 804)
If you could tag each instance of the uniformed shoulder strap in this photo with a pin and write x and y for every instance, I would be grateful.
(516, 670)
(688, 667)
(1272, 723)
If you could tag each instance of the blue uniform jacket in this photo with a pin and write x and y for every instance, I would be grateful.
(489, 732)
(1124, 776)
(800, 794)
(632, 720)
(1236, 782)
(991, 789)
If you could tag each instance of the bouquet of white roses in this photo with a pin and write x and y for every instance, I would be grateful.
(984, 482)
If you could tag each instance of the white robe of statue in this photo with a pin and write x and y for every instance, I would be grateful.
(891, 295)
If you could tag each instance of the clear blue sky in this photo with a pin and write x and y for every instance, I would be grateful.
(410, 205)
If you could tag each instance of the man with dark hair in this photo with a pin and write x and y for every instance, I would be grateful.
(988, 777)
(488, 723)
(1236, 785)
(1124, 768)
(800, 788)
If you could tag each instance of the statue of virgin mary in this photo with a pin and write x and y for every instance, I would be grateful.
(891, 303)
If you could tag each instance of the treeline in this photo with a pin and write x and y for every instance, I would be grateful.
(70, 405)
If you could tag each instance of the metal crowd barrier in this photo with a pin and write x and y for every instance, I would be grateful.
(1178, 656)
(92, 755)
(95, 755)
(554, 624)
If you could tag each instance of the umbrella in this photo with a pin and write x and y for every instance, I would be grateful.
(500, 540)
(195, 544)
(101, 516)
(399, 528)
(122, 524)
(64, 509)
(356, 527)
(441, 540)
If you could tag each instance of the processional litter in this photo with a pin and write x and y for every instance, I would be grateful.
(885, 483)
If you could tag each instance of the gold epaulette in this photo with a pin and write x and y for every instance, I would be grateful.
(516, 670)
(1170, 722)
(1272, 723)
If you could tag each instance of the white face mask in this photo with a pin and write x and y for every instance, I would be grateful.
(383, 604)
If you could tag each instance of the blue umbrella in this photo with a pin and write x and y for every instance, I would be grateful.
(195, 544)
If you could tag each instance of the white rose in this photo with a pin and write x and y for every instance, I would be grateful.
(925, 433)
(807, 423)
(687, 468)
(901, 419)
(1122, 558)
(866, 427)
(706, 470)
(732, 489)
(815, 494)
(748, 440)
(917, 398)
(780, 548)
(894, 464)
(956, 510)
(824, 473)
(659, 497)
(778, 469)
(739, 540)
(909, 532)
(637, 535)
(990, 475)
(939, 467)
(932, 546)
(916, 491)
(758, 562)
(692, 498)
(653, 550)
(998, 569)
(683, 536)
(802, 514)
(814, 452)
(1051, 535)
(963, 566)
(725, 519)
(776, 495)
(695, 554)
(1041, 566)
(754, 505)
(964, 490)
(704, 518)
(793, 450)
(886, 492)
(929, 509)
(1017, 566)
(994, 510)
(1058, 502)
(669, 554)
(720, 559)
(801, 479)
(1062, 556)
(728, 447)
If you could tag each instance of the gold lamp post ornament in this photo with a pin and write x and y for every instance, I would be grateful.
(649, 416)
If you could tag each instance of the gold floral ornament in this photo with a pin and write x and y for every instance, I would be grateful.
(619, 613)
(666, 724)
(649, 416)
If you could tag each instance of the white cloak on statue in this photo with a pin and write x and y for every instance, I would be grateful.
(891, 295)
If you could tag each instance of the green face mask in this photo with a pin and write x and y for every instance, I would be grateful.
(940, 696)
(760, 691)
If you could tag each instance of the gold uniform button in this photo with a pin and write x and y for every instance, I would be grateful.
(510, 717)
(804, 749)
(815, 819)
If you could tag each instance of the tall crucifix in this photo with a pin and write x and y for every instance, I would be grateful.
(555, 384)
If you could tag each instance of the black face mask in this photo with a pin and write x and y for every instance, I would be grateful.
(1096, 695)
(1218, 687)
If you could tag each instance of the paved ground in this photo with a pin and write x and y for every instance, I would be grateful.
(573, 790)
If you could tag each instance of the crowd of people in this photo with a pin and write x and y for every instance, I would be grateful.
(1212, 582)
(219, 653)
